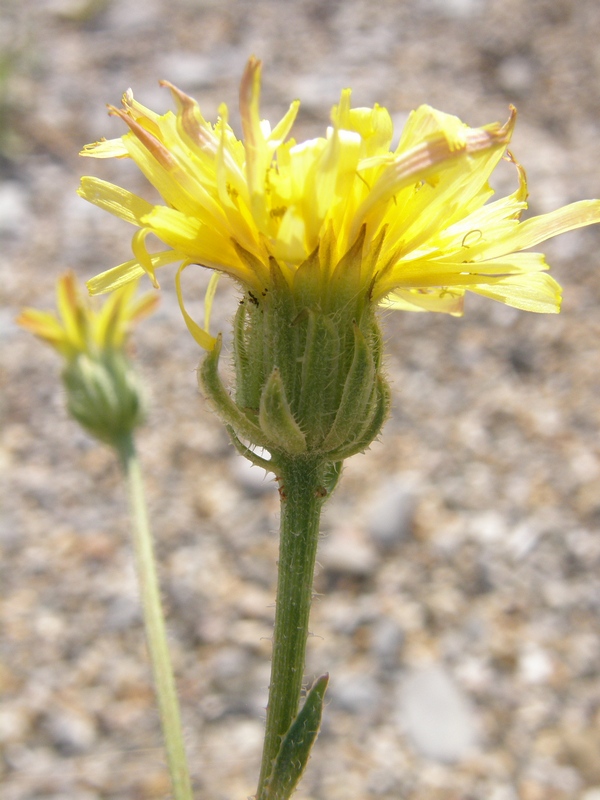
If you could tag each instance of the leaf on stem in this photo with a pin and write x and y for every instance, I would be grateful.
(296, 746)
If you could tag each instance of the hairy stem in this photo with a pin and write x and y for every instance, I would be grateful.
(302, 491)
(156, 636)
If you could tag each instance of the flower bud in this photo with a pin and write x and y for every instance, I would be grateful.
(308, 377)
(104, 395)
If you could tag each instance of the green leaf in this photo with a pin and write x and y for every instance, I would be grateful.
(296, 745)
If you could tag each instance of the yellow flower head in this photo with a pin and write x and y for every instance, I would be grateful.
(416, 219)
(79, 328)
(103, 393)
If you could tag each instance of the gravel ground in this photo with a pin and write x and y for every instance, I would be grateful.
(459, 602)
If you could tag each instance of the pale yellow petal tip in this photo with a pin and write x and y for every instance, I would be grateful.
(537, 292)
(509, 126)
(40, 323)
(115, 278)
(558, 301)
(253, 67)
(105, 148)
(249, 100)
(250, 84)
(85, 184)
(223, 113)
(95, 287)
(145, 306)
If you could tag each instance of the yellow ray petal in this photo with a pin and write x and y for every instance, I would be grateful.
(118, 276)
(538, 229)
(444, 301)
(537, 292)
(114, 199)
(105, 148)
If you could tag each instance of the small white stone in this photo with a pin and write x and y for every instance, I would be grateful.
(13, 208)
(345, 551)
(503, 793)
(535, 666)
(255, 480)
(71, 730)
(515, 74)
(591, 794)
(436, 715)
(458, 8)
(356, 693)
(185, 69)
(13, 724)
(391, 513)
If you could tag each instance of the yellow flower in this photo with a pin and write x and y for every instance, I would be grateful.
(81, 329)
(103, 393)
(417, 217)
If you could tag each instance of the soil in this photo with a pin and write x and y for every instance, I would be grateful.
(459, 568)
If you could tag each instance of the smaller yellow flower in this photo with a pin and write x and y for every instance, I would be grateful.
(103, 392)
(80, 328)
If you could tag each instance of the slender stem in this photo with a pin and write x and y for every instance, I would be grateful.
(301, 488)
(156, 635)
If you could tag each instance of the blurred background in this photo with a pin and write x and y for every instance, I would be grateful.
(459, 601)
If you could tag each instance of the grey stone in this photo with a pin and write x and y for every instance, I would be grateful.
(347, 553)
(71, 730)
(356, 693)
(386, 643)
(515, 74)
(230, 668)
(436, 715)
(457, 8)
(255, 480)
(503, 792)
(124, 612)
(391, 513)
(591, 794)
(14, 212)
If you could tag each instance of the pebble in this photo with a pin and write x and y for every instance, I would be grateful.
(71, 730)
(123, 612)
(592, 793)
(188, 69)
(80, 795)
(14, 724)
(503, 793)
(535, 666)
(515, 74)
(255, 480)
(345, 551)
(229, 666)
(436, 716)
(387, 638)
(357, 693)
(458, 8)
(390, 514)
(14, 211)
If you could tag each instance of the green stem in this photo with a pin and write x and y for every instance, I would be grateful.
(301, 482)
(156, 635)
